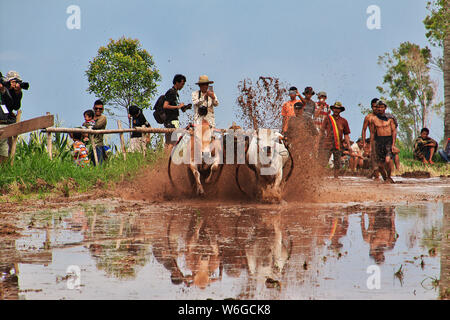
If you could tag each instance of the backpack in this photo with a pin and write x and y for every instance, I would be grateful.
(160, 114)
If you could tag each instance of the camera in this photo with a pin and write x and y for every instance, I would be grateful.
(202, 111)
(186, 107)
(7, 84)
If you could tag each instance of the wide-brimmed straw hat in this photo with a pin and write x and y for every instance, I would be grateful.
(204, 79)
(309, 90)
(338, 105)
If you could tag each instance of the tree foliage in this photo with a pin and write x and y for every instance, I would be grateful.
(437, 22)
(408, 89)
(123, 74)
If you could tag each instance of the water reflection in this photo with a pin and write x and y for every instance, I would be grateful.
(247, 253)
(380, 233)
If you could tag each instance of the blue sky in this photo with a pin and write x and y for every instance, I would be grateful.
(324, 44)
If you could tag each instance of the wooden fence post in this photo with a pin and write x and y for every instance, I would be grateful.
(14, 140)
(49, 143)
(94, 149)
(122, 141)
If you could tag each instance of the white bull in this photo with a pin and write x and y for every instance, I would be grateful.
(202, 154)
(267, 156)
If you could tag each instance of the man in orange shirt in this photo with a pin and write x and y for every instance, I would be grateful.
(287, 109)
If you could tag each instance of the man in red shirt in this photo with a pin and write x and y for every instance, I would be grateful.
(332, 134)
(287, 109)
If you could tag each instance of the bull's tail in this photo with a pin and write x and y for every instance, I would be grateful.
(292, 162)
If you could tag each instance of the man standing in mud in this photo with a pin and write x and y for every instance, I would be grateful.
(367, 121)
(383, 134)
(332, 134)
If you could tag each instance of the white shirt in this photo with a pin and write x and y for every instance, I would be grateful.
(204, 101)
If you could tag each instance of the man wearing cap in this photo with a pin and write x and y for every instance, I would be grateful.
(10, 100)
(204, 98)
(384, 132)
(287, 110)
(309, 105)
(332, 134)
(322, 110)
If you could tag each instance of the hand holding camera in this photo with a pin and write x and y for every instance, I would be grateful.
(186, 107)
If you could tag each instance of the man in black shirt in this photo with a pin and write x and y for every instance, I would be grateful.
(10, 98)
(172, 106)
(137, 142)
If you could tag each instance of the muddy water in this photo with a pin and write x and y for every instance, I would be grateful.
(117, 249)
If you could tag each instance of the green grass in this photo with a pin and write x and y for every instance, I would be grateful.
(409, 164)
(33, 173)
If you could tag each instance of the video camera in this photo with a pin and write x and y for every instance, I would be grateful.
(7, 84)
(186, 107)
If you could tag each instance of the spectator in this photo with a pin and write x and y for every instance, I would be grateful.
(287, 110)
(322, 110)
(88, 123)
(11, 96)
(100, 124)
(172, 107)
(356, 157)
(445, 154)
(332, 134)
(138, 142)
(80, 153)
(204, 97)
(425, 147)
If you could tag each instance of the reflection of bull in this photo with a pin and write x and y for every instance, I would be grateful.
(267, 156)
(202, 156)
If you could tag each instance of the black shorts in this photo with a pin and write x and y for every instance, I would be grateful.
(383, 148)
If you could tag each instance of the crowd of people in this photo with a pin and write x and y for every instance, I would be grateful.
(327, 129)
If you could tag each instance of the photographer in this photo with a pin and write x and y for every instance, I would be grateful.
(10, 98)
(172, 107)
(204, 97)
(11, 92)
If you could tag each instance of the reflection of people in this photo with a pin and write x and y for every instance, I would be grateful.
(205, 97)
(380, 234)
(425, 147)
(202, 255)
(339, 226)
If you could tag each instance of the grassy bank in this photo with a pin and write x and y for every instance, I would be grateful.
(34, 173)
(409, 164)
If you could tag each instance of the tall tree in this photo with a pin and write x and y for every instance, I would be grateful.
(408, 88)
(123, 74)
(437, 25)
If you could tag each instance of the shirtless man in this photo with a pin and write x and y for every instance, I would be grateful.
(367, 122)
(383, 134)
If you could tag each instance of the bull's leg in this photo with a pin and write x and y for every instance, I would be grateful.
(198, 183)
